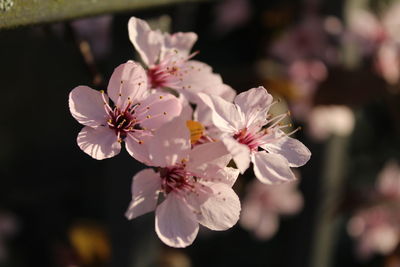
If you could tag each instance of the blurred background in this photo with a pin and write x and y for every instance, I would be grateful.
(334, 64)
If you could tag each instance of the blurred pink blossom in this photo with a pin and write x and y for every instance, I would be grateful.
(379, 36)
(231, 14)
(377, 227)
(323, 121)
(264, 204)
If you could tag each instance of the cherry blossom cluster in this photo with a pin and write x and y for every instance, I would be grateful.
(178, 117)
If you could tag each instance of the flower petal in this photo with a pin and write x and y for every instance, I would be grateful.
(271, 168)
(199, 77)
(254, 105)
(221, 208)
(296, 153)
(99, 143)
(180, 41)
(137, 146)
(146, 42)
(87, 106)
(170, 144)
(176, 224)
(145, 188)
(127, 85)
(225, 116)
(240, 153)
(207, 153)
(158, 109)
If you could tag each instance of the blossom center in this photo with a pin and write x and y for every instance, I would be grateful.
(122, 122)
(248, 138)
(176, 178)
(165, 74)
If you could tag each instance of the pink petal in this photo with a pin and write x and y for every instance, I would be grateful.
(293, 150)
(208, 153)
(220, 208)
(158, 109)
(99, 143)
(240, 153)
(170, 144)
(137, 146)
(146, 42)
(199, 77)
(225, 116)
(127, 85)
(271, 168)
(254, 105)
(180, 41)
(145, 188)
(176, 224)
(87, 106)
(267, 226)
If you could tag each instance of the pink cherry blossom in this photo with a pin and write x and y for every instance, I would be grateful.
(247, 129)
(324, 121)
(377, 227)
(195, 185)
(378, 36)
(132, 118)
(376, 230)
(167, 57)
(264, 204)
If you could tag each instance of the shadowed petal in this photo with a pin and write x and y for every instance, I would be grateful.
(221, 209)
(271, 168)
(170, 144)
(293, 150)
(240, 153)
(99, 143)
(225, 116)
(180, 41)
(254, 105)
(137, 146)
(146, 42)
(176, 224)
(145, 186)
(87, 106)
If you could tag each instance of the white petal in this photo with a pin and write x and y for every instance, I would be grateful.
(296, 153)
(128, 84)
(221, 209)
(240, 153)
(87, 106)
(147, 42)
(145, 188)
(225, 116)
(271, 168)
(99, 143)
(176, 224)
(254, 105)
(170, 144)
